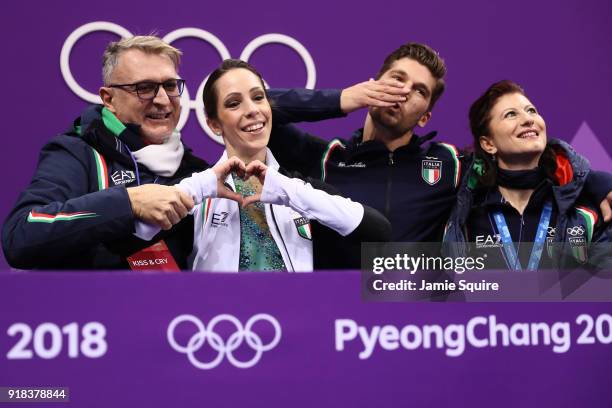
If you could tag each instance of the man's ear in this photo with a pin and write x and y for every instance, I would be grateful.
(487, 144)
(424, 119)
(214, 125)
(106, 94)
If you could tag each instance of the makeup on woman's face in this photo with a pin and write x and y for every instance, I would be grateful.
(244, 115)
(516, 128)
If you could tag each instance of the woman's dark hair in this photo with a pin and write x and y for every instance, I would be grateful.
(480, 117)
(210, 97)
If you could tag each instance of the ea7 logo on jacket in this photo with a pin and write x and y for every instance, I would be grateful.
(303, 227)
(218, 219)
(431, 171)
(123, 177)
(488, 241)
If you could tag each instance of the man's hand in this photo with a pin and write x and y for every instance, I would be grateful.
(382, 93)
(222, 170)
(604, 206)
(254, 169)
(159, 205)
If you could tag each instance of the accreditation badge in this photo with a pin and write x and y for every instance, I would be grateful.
(157, 257)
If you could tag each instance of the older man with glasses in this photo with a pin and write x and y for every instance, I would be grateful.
(116, 165)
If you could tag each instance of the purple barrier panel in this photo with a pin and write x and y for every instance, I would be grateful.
(301, 340)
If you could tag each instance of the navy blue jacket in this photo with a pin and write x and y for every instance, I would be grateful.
(413, 186)
(580, 236)
(76, 214)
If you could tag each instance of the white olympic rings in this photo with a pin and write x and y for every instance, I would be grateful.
(215, 341)
(186, 103)
(576, 230)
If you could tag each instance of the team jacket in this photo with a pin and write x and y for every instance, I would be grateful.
(297, 214)
(75, 214)
(415, 186)
(578, 236)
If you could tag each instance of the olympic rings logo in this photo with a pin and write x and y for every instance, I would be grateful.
(215, 341)
(189, 32)
(577, 230)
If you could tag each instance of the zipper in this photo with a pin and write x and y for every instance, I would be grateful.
(389, 185)
(281, 238)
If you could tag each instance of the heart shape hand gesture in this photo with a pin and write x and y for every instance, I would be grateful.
(235, 165)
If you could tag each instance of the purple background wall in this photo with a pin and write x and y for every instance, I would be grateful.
(559, 52)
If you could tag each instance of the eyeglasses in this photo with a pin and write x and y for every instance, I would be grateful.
(147, 90)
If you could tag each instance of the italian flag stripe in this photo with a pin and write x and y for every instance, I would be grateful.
(305, 231)
(455, 155)
(326, 154)
(590, 219)
(101, 169)
(34, 216)
(205, 209)
(432, 175)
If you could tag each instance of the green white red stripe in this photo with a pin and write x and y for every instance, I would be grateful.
(205, 210)
(431, 176)
(590, 220)
(455, 155)
(101, 170)
(34, 216)
(327, 154)
(305, 231)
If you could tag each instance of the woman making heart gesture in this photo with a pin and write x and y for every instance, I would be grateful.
(252, 215)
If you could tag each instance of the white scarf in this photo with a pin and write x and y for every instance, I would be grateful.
(162, 159)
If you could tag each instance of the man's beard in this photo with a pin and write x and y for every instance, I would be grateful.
(394, 128)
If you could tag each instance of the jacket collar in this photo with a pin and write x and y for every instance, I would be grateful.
(492, 197)
(565, 195)
(100, 129)
(572, 171)
(413, 146)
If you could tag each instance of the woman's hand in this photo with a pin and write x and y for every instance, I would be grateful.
(222, 170)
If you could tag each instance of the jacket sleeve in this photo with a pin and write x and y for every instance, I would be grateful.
(297, 150)
(304, 105)
(199, 186)
(294, 148)
(341, 214)
(60, 213)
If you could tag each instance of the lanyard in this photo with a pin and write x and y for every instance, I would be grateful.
(536, 252)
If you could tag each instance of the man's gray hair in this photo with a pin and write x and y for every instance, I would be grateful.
(149, 44)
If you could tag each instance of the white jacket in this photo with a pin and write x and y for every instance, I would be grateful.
(290, 205)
